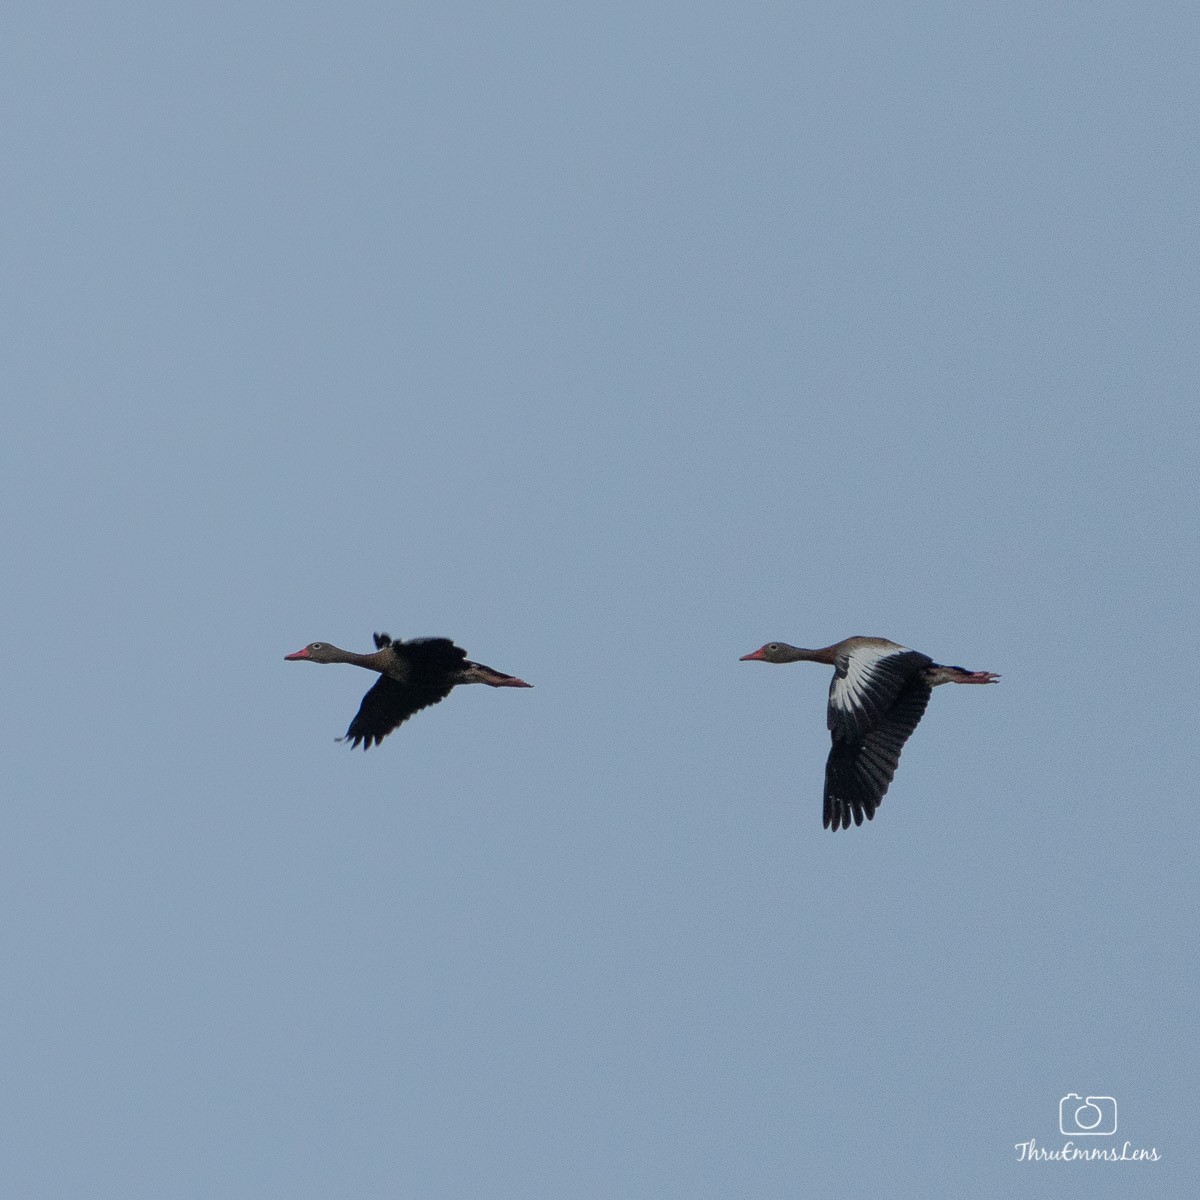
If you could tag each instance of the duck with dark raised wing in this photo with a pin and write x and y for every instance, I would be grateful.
(877, 696)
(412, 676)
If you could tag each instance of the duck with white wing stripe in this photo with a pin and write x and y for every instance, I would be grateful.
(876, 698)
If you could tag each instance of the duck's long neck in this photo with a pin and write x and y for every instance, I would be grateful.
(379, 660)
(799, 654)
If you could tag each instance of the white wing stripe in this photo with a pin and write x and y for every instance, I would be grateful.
(849, 690)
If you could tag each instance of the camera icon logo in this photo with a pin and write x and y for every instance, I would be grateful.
(1078, 1115)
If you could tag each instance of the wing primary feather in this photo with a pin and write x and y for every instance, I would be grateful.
(862, 765)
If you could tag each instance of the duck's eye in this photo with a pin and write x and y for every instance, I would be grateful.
(773, 646)
(317, 646)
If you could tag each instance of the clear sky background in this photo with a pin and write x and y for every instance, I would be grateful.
(612, 341)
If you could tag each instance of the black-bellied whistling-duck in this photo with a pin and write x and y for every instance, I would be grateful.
(877, 696)
(412, 676)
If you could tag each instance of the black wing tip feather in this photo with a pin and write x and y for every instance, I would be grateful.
(852, 793)
(855, 785)
(358, 739)
(382, 640)
(841, 811)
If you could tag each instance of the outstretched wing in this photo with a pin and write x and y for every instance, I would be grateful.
(423, 671)
(429, 655)
(390, 703)
(866, 683)
(861, 768)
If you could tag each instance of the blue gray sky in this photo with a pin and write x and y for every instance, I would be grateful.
(611, 341)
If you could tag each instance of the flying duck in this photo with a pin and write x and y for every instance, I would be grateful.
(878, 694)
(412, 676)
